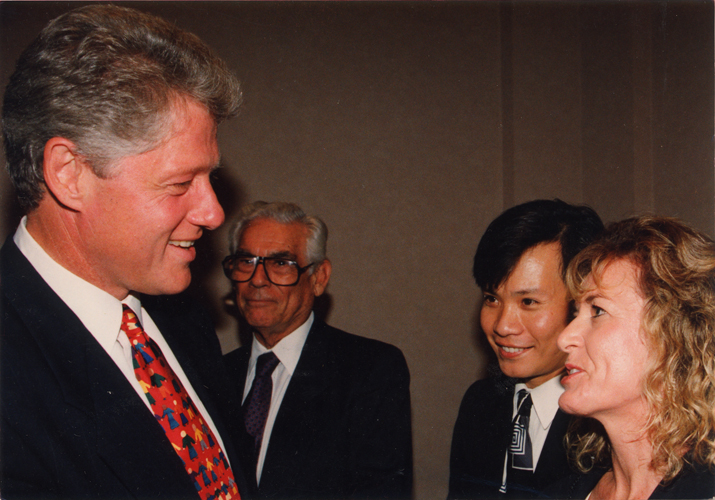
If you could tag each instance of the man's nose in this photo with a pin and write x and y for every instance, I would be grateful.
(259, 278)
(206, 211)
(507, 322)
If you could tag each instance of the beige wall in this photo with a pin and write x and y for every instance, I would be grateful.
(408, 127)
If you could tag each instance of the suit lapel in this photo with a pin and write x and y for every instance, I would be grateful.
(238, 369)
(502, 432)
(296, 415)
(132, 442)
(553, 460)
(237, 364)
(126, 435)
(310, 377)
(174, 332)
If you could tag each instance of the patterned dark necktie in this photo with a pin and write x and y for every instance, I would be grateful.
(520, 448)
(190, 436)
(258, 401)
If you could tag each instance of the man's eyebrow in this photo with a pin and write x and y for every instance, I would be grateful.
(284, 254)
(527, 291)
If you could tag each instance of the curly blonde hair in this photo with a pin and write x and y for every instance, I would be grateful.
(676, 276)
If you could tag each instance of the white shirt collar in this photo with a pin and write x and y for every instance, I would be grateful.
(545, 399)
(100, 312)
(287, 350)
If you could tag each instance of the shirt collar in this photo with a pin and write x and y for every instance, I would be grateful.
(545, 398)
(100, 312)
(135, 305)
(288, 349)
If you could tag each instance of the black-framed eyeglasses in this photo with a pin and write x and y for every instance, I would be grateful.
(279, 270)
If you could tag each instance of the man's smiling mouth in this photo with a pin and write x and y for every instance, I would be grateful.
(182, 244)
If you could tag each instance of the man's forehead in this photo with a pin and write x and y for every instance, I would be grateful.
(539, 267)
(273, 236)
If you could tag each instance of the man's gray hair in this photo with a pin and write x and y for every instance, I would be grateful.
(108, 79)
(285, 213)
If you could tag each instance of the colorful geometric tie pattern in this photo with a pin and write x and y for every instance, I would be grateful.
(192, 440)
(520, 449)
(258, 401)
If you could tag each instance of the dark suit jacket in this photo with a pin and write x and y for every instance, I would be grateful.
(343, 429)
(72, 425)
(481, 437)
(693, 482)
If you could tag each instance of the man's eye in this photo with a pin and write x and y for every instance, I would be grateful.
(181, 187)
(489, 299)
(283, 263)
(529, 302)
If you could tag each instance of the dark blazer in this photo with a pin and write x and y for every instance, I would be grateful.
(481, 437)
(343, 429)
(693, 482)
(72, 425)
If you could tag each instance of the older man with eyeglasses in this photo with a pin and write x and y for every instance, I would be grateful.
(326, 414)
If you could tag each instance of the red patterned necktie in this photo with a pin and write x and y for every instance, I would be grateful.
(186, 429)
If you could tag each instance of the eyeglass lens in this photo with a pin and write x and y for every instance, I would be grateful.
(279, 271)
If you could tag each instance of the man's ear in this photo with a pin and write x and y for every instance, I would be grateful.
(321, 276)
(64, 169)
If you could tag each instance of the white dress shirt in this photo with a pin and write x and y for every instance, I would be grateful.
(545, 399)
(288, 352)
(101, 313)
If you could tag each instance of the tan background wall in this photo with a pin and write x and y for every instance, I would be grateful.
(409, 126)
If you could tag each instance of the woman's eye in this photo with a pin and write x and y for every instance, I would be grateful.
(596, 311)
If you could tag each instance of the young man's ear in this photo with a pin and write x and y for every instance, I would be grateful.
(321, 276)
(64, 169)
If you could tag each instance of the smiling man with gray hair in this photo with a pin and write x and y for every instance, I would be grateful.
(109, 388)
(326, 414)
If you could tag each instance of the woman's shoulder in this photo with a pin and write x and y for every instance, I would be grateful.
(575, 486)
(694, 482)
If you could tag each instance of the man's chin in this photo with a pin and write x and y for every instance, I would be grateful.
(172, 286)
(258, 322)
(512, 371)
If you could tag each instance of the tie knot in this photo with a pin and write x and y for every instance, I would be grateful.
(265, 364)
(130, 322)
(523, 403)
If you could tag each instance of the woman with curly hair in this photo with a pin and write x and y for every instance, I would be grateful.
(641, 363)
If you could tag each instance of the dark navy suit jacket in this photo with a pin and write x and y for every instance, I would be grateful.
(481, 437)
(72, 425)
(343, 428)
